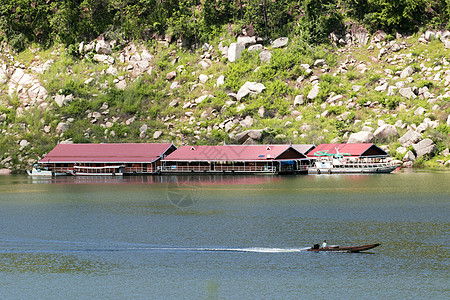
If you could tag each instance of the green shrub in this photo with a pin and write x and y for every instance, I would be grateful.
(76, 108)
(392, 102)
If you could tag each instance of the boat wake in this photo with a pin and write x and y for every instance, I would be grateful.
(49, 246)
(252, 249)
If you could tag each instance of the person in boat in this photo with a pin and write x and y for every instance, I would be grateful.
(324, 244)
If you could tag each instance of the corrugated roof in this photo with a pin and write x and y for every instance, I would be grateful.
(118, 153)
(229, 153)
(355, 150)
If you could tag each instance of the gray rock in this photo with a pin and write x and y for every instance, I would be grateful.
(17, 75)
(419, 111)
(89, 81)
(250, 141)
(367, 128)
(314, 92)
(409, 156)
(112, 71)
(447, 44)
(5, 171)
(448, 121)
(47, 65)
(299, 100)
(280, 42)
(62, 127)
(425, 147)
(408, 164)
(360, 137)
(173, 103)
(143, 128)
(407, 93)
(220, 81)
(265, 56)
(24, 143)
(257, 47)
(235, 51)
(246, 40)
(401, 150)
(382, 88)
(409, 138)
(356, 88)
(202, 98)
(157, 134)
(446, 152)
(121, 85)
(262, 112)
(249, 87)
(407, 72)
(59, 99)
(171, 75)
(255, 134)
(103, 58)
(385, 132)
(247, 122)
(174, 85)
(320, 63)
(203, 78)
(103, 47)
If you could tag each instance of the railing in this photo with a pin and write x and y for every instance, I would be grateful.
(218, 168)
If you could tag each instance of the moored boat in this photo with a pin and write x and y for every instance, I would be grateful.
(342, 165)
(351, 249)
(38, 171)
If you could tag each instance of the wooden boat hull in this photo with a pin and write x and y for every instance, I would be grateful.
(353, 249)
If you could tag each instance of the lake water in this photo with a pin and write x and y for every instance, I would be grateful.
(209, 237)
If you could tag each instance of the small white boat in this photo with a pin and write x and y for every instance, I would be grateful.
(38, 171)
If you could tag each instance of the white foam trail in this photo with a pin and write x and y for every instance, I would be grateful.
(253, 249)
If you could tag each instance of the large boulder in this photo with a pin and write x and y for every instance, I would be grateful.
(360, 137)
(409, 138)
(385, 132)
(255, 134)
(235, 51)
(424, 147)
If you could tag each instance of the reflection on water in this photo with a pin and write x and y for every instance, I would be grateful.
(224, 236)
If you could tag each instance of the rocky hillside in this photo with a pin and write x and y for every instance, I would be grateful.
(391, 91)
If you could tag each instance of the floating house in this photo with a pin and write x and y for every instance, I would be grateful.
(359, 150)
(252, 159)
(107, 159)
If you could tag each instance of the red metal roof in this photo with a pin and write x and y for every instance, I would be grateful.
(118, 153)
(355, 150)
(229, 153)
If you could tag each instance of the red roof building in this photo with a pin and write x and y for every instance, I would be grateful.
(348, 150)
(131, 157)
(234, 158)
